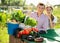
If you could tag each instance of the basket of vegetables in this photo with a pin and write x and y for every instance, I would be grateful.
(19, 16)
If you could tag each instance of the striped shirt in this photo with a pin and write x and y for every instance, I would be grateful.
(43, 22)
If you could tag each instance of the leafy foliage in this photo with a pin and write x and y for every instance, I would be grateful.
(12, 2)
(18, 16)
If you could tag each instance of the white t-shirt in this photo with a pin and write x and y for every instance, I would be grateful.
(55, 19)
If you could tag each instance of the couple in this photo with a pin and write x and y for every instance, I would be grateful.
(45, 21)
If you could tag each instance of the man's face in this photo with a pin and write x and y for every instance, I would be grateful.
(40, 8)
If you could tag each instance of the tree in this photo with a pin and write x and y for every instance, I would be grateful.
(2, 2)
(13, 2)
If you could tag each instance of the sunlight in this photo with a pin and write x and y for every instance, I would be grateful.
(35, 2)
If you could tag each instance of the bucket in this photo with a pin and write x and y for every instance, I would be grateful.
(12, 27)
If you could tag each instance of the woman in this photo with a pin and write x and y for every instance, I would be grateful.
(52, 19)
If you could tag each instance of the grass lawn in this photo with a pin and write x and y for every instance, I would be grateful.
(4, 36)
(56, 12)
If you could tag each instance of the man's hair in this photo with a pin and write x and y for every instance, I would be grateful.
(41, 4)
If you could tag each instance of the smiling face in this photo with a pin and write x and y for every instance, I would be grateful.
(40, 7)
(49, 9)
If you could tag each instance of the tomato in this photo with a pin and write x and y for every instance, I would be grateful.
(35, 29)
(20, 32)
(23, 32)
(27, 32)
(29, 29)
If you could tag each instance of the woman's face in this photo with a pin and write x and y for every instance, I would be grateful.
(49, 10)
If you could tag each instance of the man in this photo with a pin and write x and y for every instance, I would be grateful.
(41, 18)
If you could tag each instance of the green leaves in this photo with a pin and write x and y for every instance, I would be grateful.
(30, 21)
(12, 2)
(0, 18)
(18, 15)
(3, 17)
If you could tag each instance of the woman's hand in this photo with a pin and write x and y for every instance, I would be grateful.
(49, 17)
(50, 21)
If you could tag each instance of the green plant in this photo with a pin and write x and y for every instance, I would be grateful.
(18, 16)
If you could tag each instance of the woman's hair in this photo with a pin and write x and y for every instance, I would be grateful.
(50, 7)
(52, 17)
